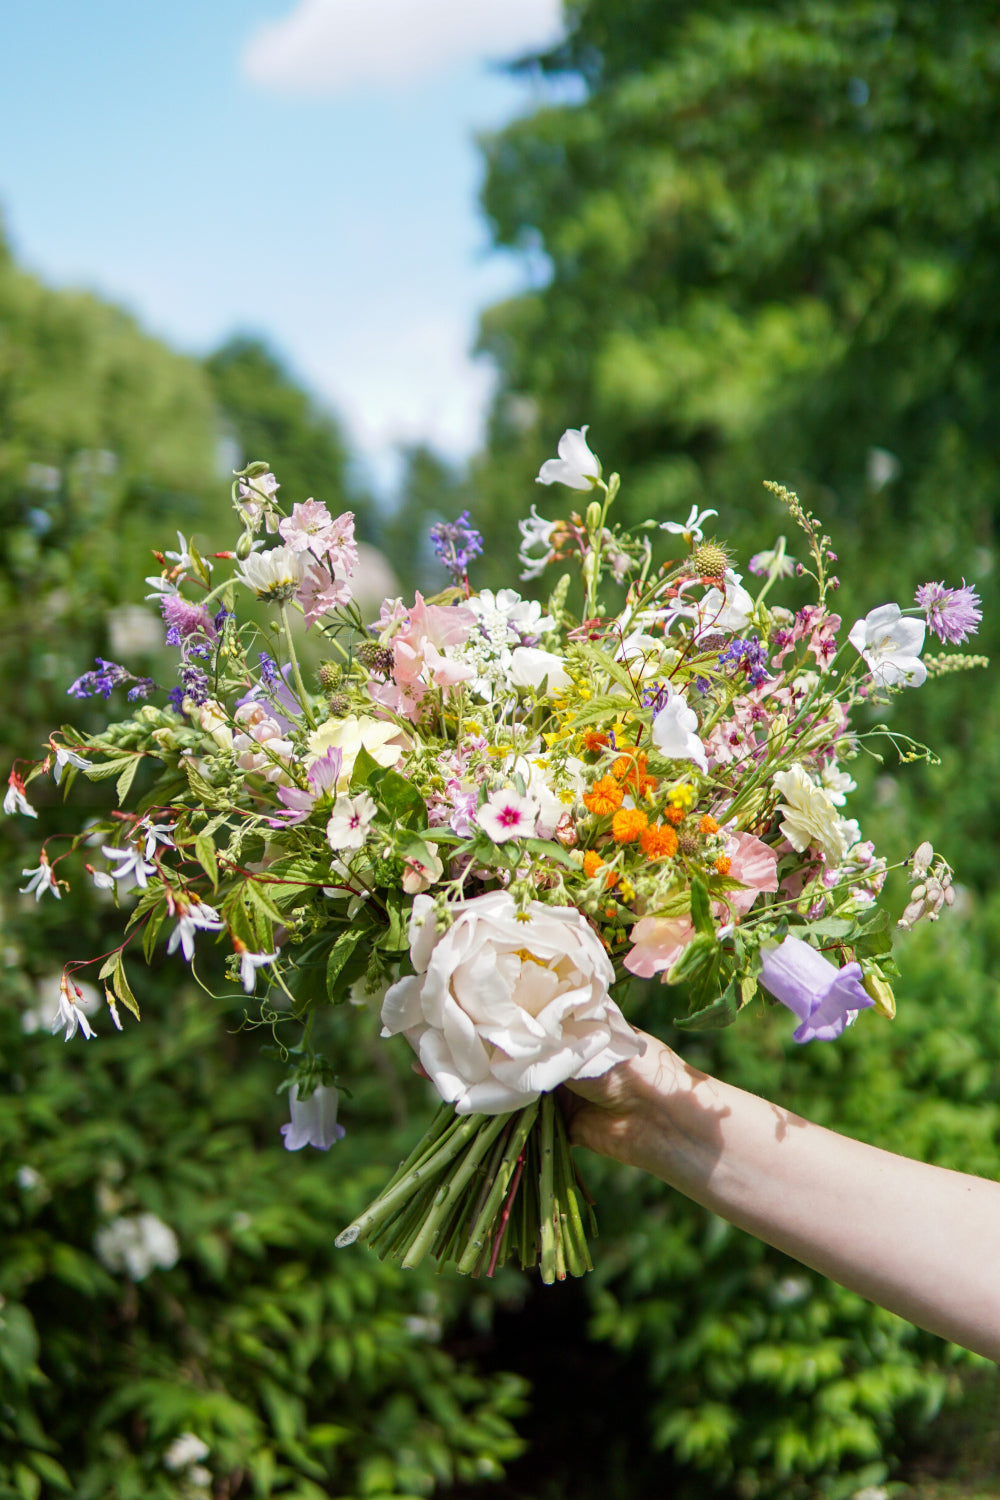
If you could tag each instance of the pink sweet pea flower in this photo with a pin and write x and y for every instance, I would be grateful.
(657, 944)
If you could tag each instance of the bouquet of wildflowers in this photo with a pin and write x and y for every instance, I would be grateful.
(486, 814)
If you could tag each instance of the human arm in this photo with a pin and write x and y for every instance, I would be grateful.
(918, 1239)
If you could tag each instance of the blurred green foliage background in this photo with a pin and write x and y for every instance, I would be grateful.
(764, 244)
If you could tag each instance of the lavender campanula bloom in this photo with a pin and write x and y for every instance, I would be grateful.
(824, 998)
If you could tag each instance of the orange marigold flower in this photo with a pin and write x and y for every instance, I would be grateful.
(722, 865)
(674, 814)
(708, 824)
(592, 862)
(659, 842)
(624, 768)
(628, 824)
(604, 797)
(593, 740)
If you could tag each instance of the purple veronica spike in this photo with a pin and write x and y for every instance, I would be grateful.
(825, 998)
(456, 544)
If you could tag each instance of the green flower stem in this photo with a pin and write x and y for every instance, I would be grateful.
(490, 1210)
(577, 1252)
(546, 1195)
(488, 1128)
(444, 1118)
(391, 1199)
(300, 686)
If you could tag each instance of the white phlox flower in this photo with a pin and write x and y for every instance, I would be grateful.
(890, 643)
(576, 466)
(137, 1244)
(350, 822)
(507, 815)
(691, 530)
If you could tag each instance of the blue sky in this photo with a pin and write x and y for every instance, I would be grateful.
(301, 169)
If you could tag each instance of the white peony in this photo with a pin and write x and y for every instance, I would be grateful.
(381, 738)
(506, 1006)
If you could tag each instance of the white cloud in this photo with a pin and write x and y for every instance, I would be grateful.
(326, 47)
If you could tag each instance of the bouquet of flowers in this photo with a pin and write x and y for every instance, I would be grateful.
(488, 814)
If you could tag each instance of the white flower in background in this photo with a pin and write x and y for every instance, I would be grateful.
(314, 1120)
(507, 815)
(836, 783)
(535, 532)
(71, 1013)
(66, 757)
(274, 575)
(182, 557)
(890, 643)
(674, 729)
(42, 879)
(132, 868)
(810, 818)
(506, 1004)
(575, 467)
(530, 667)
(250, 963)
(184, 1451)
(504, 617)
(691, 530)
(350, 822)
(15, 801)
(192, 917)
(137, 1244)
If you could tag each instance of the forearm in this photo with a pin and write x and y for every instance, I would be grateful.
(920, 1240)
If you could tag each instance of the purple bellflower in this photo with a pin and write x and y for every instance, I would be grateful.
(825, 998)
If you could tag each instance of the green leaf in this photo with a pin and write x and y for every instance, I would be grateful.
(341, 951)
(125, 780)
(548, 849)
(712, 1017)
(401, 799)
(365, 766)
(204, 850)
(701, 908)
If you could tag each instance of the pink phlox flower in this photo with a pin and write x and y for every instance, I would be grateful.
(16, 801)
(42, 879)
(952, 614)
(507, 815)
(350, 822)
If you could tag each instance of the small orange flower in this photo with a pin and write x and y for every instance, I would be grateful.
(708, 824)
(674, 815)
(604, 797)
(628, 824)
(624, 768)
(659, 842)
(593, 740)
(592, 862)
(722, 865)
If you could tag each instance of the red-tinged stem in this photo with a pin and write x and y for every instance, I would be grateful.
(515, 1181)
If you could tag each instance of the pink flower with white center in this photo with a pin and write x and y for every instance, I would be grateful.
(308, 528)
(15, 800)
(507, 815)
(952, 614)
(350, 822)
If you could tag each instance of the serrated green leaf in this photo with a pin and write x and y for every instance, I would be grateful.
(341, 951)
(204, 851)
(125, 780)
(712, 1017)
(701, 908)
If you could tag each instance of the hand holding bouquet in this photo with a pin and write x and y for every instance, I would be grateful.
(493, 814)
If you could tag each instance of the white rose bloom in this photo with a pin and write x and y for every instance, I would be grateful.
(503, 1009)
(379, 737)
(810, 818)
